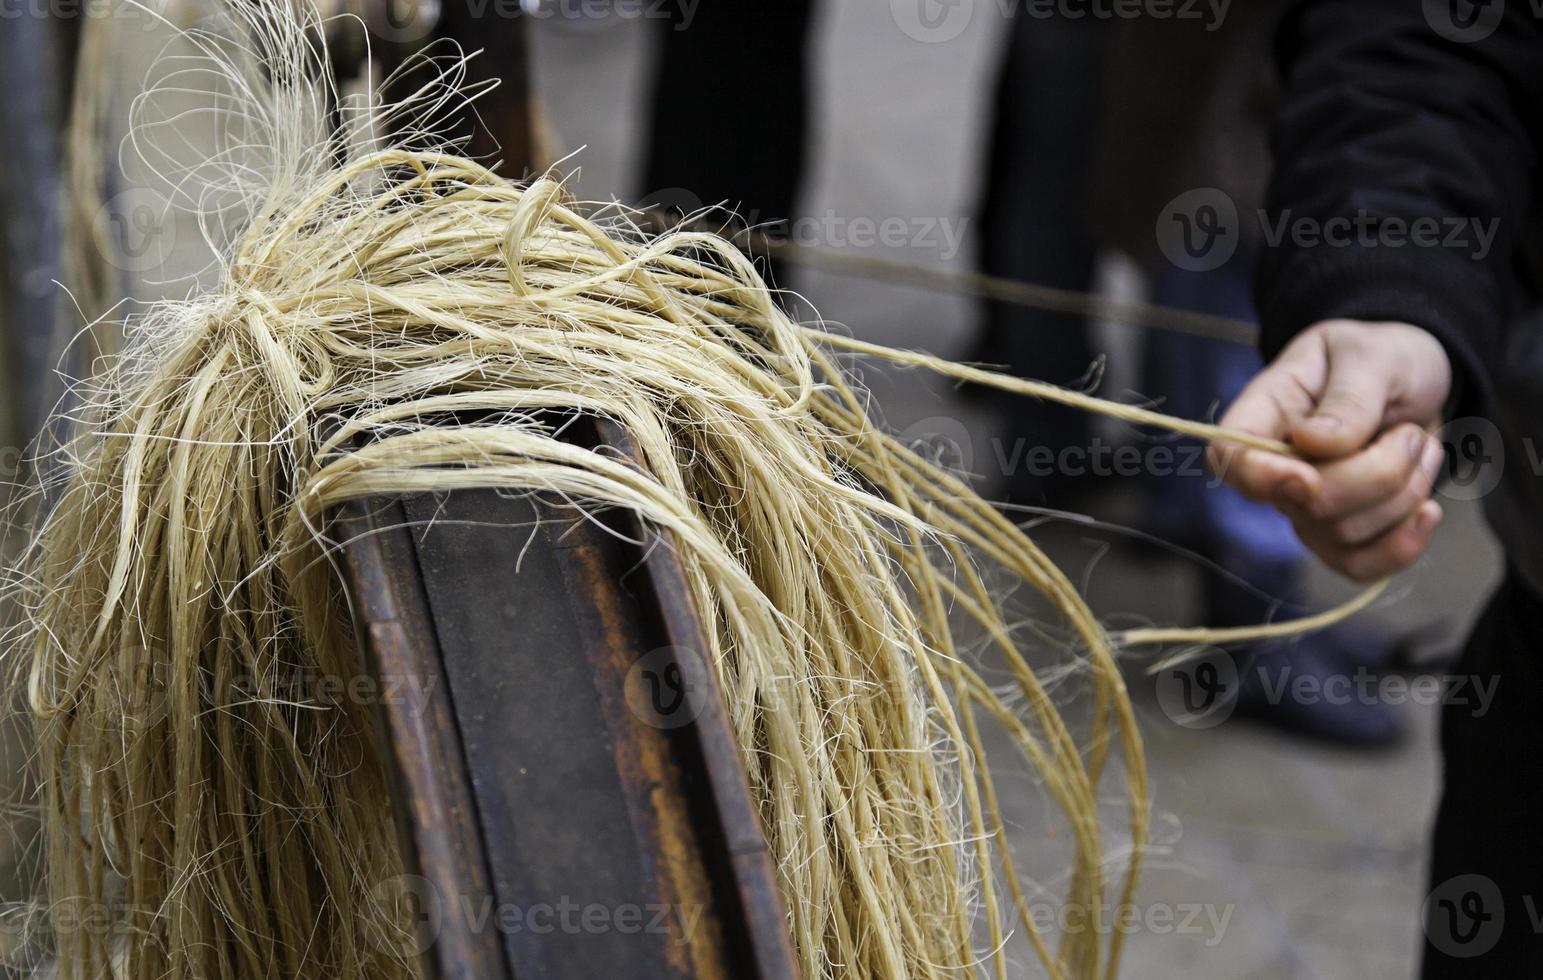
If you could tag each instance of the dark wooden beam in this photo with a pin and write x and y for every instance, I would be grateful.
(573, 775)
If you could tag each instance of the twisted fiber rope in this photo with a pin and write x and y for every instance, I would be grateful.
(247, 830)
(1014, 291)
(178, 592)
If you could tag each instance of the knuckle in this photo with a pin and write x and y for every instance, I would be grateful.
(1349, 530)
(1323, 509)
(1405, 547)
(1346, 402)
(1249, 483)
(1326, 508)
(1348, 338)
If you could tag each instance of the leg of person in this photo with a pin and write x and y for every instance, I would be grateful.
(1033, 219)
(1484, 910)
(1195, 378)
(1253, 545)
(739, 139)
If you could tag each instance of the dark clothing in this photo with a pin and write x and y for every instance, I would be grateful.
(1186, 105)
(1033, 218)
(1397, 111)
(1485, 909)
(1388, 120)
(740, 140)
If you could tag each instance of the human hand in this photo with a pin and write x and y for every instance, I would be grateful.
(1359, 401)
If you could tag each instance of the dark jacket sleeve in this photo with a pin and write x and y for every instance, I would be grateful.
(1388, 119)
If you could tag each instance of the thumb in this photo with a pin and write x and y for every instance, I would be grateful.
(1349, 412)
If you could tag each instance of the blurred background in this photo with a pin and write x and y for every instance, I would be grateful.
(1109, 154)
(1050, 149)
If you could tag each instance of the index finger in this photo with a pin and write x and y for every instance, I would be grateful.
(1270, 406)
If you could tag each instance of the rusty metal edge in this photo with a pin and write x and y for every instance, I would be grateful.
(738, 829)
(397, 635)
(441, 838)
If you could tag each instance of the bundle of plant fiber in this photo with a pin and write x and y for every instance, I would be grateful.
(408, 321)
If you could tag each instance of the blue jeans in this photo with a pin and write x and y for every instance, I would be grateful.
(1198, 378)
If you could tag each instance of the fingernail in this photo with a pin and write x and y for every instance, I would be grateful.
(1430, 463)
(1328, 423)
(1416, 445)
(1296, 491)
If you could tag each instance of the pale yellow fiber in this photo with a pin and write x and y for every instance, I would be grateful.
(408, 322)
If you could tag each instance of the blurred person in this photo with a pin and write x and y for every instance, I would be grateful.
(1400, 116)
(1185, 129)
(729, 111)
(1033, 221)
(706, 149)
